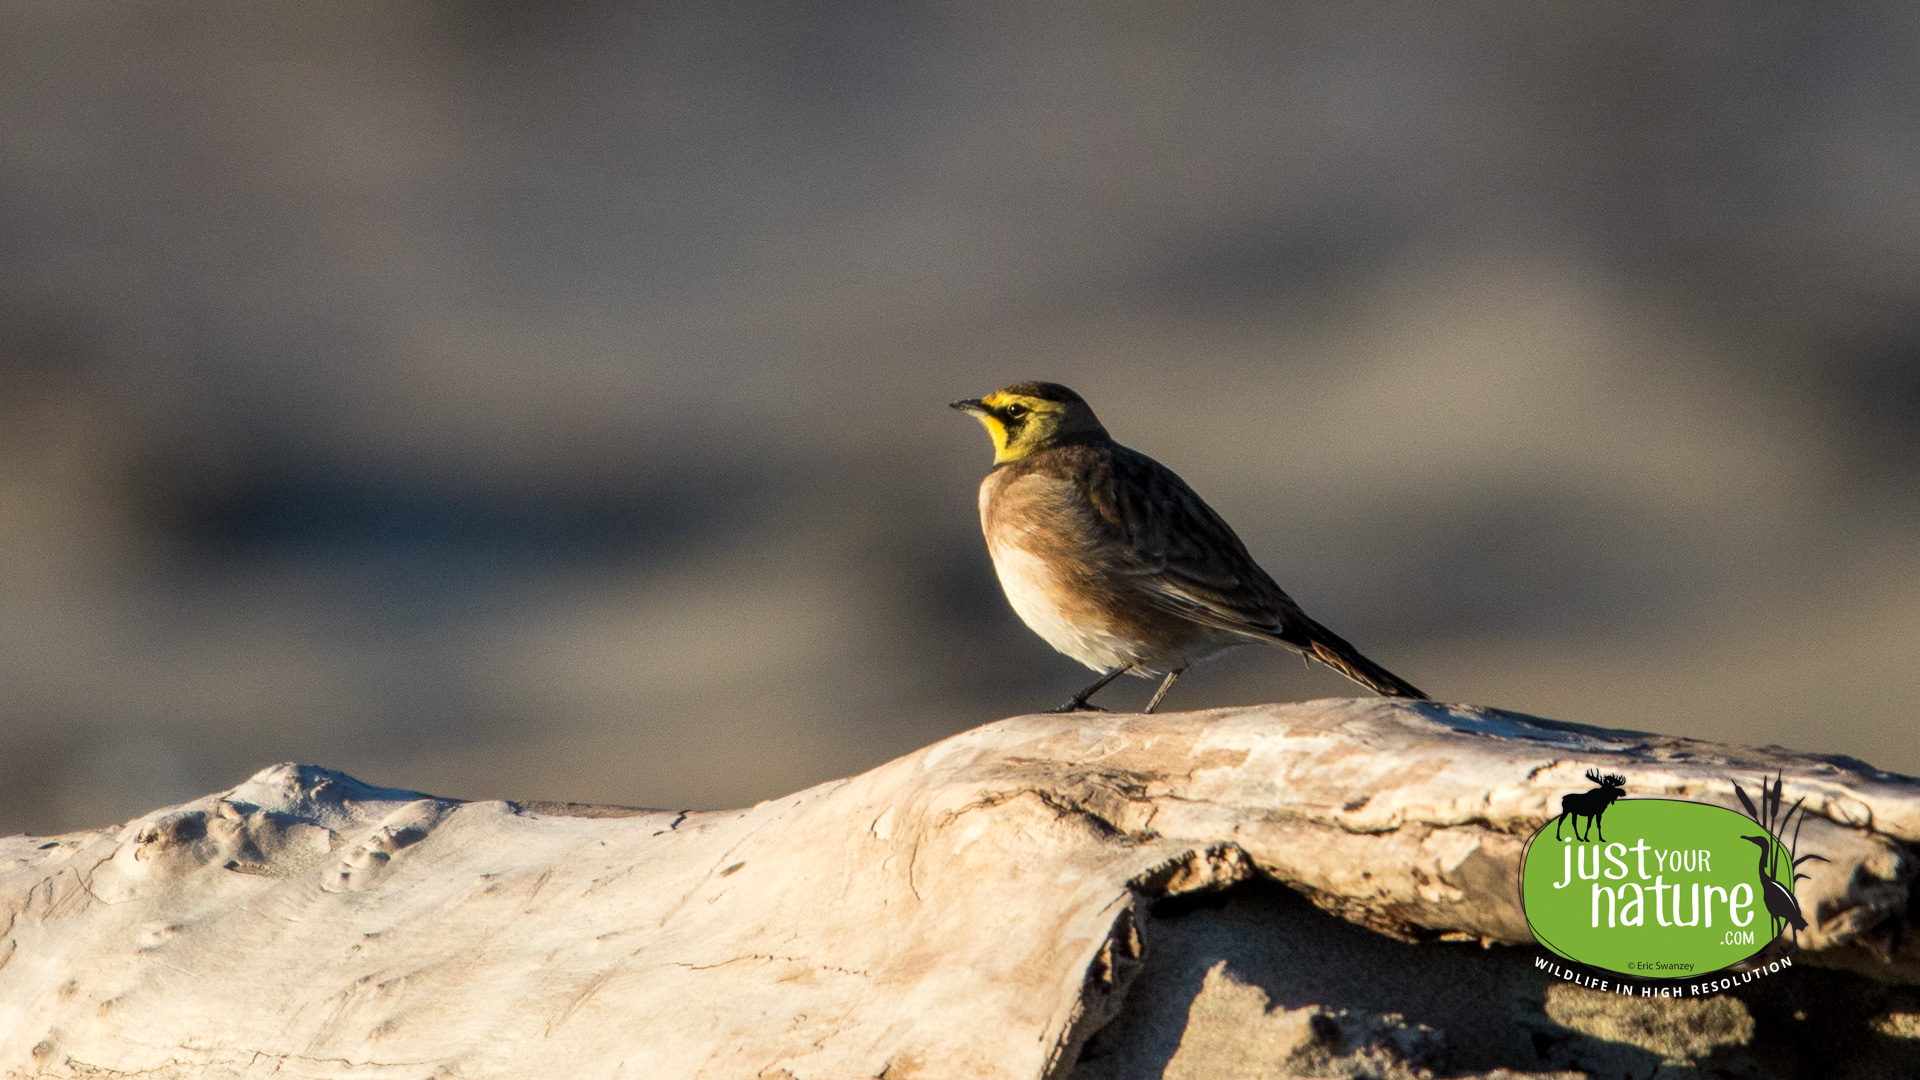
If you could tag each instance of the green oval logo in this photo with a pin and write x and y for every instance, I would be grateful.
(1667, 890)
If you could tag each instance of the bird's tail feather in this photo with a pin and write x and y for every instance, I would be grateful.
(1332, 650)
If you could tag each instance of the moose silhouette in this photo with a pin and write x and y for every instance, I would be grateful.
(1590, 804)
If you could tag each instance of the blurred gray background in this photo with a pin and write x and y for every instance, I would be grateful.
(548, 401)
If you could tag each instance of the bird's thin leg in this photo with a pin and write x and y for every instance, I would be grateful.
(1165, 685)
(1078, 703)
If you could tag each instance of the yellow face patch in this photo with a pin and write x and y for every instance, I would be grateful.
(1021, 424)
(996, 431)
(1016, 423)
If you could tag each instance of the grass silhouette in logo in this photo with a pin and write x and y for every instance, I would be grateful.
(1779, 899)
(1590, 805)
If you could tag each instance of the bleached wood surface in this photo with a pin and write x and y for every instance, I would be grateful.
(974, 909)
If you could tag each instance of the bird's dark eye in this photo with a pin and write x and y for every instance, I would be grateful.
(1015, 412)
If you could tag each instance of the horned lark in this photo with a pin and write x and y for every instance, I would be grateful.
(1114, 560)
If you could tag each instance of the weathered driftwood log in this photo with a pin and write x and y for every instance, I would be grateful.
(979, 908)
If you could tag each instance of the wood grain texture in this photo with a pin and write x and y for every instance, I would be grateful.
(976, 909)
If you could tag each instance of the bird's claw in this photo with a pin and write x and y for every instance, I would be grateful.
(1076, 706)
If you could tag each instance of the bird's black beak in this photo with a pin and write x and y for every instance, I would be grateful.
(972, 406)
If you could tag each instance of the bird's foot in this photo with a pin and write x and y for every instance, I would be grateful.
(1076, 706)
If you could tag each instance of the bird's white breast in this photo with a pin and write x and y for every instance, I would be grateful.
(1032, 588)
(1043, 600)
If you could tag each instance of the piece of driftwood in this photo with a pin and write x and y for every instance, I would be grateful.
(979, 908)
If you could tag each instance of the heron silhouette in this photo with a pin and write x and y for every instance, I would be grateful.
(1780, 902)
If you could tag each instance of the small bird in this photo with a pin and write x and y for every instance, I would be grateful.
(1112, 558)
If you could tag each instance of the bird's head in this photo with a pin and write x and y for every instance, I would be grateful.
(1030, 416)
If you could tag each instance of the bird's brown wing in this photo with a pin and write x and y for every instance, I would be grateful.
(1187, 561)
(1183, 557)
